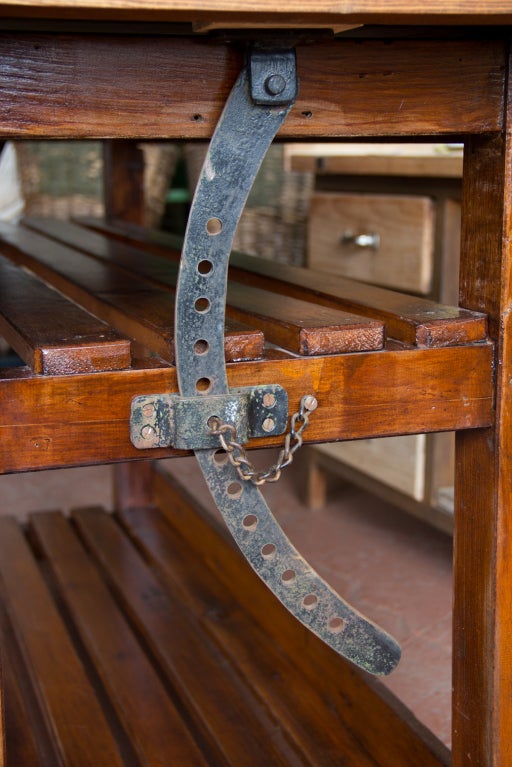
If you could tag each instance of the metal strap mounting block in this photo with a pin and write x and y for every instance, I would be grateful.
(257, 106)
(169, 420)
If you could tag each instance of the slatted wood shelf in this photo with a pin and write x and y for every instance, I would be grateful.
(411, 354)
(129, 303)
(411, 319)
(145, 638)
(290, 323)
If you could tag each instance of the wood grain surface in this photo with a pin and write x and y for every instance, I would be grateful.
(63, 689)
(123, 181)
(290, 323)
(154, 726)
(483, 538)
(134, 307)
(51, 334)
(277, 677)
(259, 13)
(189, 660)
(386, 731)
(403, 225)
(413, 390)
(61, 86)
(408, 318)
(191, 657)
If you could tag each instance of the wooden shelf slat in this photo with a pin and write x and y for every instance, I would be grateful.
(277, 679)
(156, 729)
(219, 702)
(26, 739)
(190, 658)
(447, 387)
(350, 690)
(51, 334)
(291, 323)
(63, 689)
(408, 318)
(136, 309)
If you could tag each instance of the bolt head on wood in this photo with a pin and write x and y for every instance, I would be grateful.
(310, 402)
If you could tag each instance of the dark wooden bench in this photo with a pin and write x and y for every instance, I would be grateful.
(144, 638)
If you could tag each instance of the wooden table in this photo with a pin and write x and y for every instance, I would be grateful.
(151, 70)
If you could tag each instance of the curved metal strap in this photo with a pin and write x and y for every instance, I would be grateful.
(241, 139)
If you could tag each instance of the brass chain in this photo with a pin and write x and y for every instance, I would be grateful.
(237, 455)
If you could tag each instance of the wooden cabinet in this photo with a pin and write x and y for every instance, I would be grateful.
(394, 221)
(385, 239)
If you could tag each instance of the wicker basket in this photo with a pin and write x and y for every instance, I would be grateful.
(64, 179)
(61, 179)
(274, 222)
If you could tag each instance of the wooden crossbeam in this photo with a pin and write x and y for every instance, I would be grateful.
(62, 86)
(86, 418)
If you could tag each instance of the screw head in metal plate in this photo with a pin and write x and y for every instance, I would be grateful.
(268, 425)
(147, 432)
(269, 400)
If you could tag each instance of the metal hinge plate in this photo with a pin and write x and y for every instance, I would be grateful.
(169, 420)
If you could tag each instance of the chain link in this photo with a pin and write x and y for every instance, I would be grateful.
(237, 455)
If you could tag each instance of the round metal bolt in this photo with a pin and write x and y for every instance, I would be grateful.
(269, 400)
(310, 403)
(148, 410)
(275, 85)
(147, 432)
(268, 425)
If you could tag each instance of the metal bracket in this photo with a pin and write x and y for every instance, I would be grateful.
(273, 77)
(256, 108)
(168, 420)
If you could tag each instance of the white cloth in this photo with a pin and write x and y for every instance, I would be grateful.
(11, 197)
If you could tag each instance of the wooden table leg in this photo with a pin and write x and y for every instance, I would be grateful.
(124, 181)
(482, 703)
(124, 200)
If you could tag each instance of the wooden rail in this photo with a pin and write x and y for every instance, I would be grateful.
(62, 86)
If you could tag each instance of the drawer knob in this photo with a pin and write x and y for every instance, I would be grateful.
(371, 240)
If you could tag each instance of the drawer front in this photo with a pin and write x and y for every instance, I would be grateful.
(386, 240)
(396, 461)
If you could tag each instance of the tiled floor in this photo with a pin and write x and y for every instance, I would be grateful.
(395, 569)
